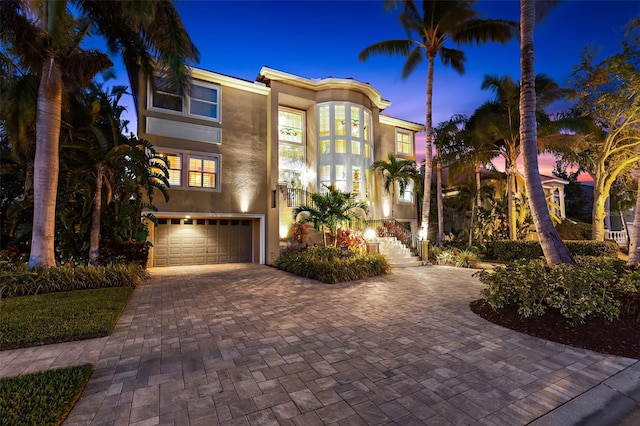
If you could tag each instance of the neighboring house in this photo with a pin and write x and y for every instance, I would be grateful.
(243, 154)
(553, 188)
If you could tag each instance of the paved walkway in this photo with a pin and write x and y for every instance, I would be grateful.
(248, 344)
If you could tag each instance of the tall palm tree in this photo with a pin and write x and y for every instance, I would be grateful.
(554, 250)
(447, 137)
(497, 123)
(46, 36)
(428, 32)
(395, 171)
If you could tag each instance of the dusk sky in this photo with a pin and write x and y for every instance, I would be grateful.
(319, 39)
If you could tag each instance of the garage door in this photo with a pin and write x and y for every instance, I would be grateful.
(202, 241)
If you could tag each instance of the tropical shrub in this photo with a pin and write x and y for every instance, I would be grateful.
(125, 252)
(332, 264)
(19, 280)
(508, 251)
(569, 230)
(594, 287)
(455, 257)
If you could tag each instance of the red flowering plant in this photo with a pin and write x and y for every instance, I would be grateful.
(299, 230)
(350, 239)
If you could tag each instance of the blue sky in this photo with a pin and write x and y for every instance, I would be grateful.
(318, 39)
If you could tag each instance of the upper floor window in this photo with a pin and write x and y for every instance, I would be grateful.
(291, 126)
(404, 143)
(203, 100)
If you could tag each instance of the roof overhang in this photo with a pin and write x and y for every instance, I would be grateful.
(397, 122)
(325, 84)
(228, 81)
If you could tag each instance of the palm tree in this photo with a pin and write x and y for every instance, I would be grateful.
(497, 122)
(47, 39)
(439, 23)
(555, 252)
(329, 209)
(447, 137)
(395, 171)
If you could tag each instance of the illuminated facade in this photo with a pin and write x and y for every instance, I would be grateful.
(239, 149)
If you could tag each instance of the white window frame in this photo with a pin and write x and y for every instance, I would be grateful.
(167, 153)
(184, 172)
(410, 134)
(186, 102)
(401, 195)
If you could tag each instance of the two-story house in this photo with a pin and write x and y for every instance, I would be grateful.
(240, 150)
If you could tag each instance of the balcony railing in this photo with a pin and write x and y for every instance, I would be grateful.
(298, 197)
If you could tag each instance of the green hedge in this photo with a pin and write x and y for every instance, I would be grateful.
(44, 398)
(508, 251)
(594, 287)
(18, 280)
(332, 265)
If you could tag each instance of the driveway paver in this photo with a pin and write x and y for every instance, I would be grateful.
(248, 344)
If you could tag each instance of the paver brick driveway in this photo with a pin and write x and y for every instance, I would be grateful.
(248, 344)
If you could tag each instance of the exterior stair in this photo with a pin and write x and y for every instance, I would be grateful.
(398, 255)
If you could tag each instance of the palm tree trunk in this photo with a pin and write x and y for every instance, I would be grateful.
(94, 246)
(46, 164)
(428, 159)
(439, 199)
(634, 244)
(553, 248)
(473, 213)
(511, 202)
(478, 186)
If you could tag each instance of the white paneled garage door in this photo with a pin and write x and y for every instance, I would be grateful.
(202, 241)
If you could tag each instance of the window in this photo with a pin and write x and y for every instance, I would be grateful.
(367, 150)
(341, 146)
(325, 147)
(174, 164)
(355, 181)
(403, 143)
(355, 147)
(367, 125)
(355, 122)
(340, 121)
(203, 100)
(174, 167)
(291, 147)
(406, 196)
(323, 114)
(203, 172)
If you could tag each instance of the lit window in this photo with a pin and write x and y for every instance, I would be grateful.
(406, 196)
(291, 126)
(367, 150)
(341, 178)
(340, 121)
(403, 143)
(324, 127)
(325, 173)
(203, 172)
(367, 125)
(174, 167)
(174, 163)
(341, 146)
(355, 147)
(367, 182)
(325, 147)
(355, 181)
(355, 122)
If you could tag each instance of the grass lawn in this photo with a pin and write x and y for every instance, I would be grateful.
(60, 317)
(44, 398)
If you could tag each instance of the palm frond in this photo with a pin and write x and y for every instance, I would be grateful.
(388, 47)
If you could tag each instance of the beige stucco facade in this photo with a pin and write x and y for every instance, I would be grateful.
(230, 162)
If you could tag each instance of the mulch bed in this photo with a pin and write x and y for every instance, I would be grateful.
(620, 337)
